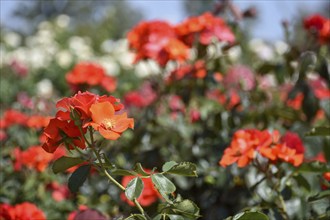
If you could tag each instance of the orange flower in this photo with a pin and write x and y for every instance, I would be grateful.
(38, 121)
(286, 151)
(207, 27)
(109, 124)
(91, 74)
(12, 117)
(241, 149)
(196, 70)
(24, 211)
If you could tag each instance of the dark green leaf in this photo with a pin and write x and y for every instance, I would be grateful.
(187, 208)
(168, 165)
(250, 215)
(183, 169)
(121, 172)
(157, 217)
(163, 184)
(302, 182)
(321, 195)
(139, 169)
(319, 131)
(65, 163)
(78, 177)
(134, 188)
(314, 166)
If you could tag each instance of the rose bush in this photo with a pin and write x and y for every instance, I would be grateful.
(210, 124)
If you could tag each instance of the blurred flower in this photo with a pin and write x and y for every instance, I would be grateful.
(63, 21)
(156, 40)
(194, 115)
(19, 68)
(146, 68)
(242, 147)
(12, 39)
(261, 49)
(12, 117)
(59, 192)
(91, 74)
(142, 97)
(34, 158)
(25, 100)
(292, 140)
(38, 121)
(45, 88)
(85, 213)
(73, 214)
(149, 194)
(207, 27)
(64, 58)
(319, 86)
(239, 77)
(196, 70)
(320, 26)
(109, 124)
(281, 47)
(296, 102)
(23, 211)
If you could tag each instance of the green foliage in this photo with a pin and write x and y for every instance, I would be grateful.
(134, 188)
(78, 177)
(64, 163)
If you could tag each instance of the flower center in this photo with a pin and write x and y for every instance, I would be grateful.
(108, 124)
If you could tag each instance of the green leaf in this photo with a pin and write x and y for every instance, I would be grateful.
(139, 169)
(302, 182)
(168, 165)
(250, 215)
(319, 131)
(315, 167)
(318, 196)
(183, 169)
(325, 105)
(65, 163)
(187, 208)
(175, 217)
(121, 172)
(157, 217)
(134, 188)
(163, 184)
(78, 177)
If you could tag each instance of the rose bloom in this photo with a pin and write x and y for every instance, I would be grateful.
(33, 158)
(142, 97)
(292, 140)
(91, 74)
(157, 40)
(149, 194)
(12, 117)
(207, 27)
(23, 211)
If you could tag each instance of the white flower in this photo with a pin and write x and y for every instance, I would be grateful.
(261, 49)
(62, 21)
(281, 47)
(234, 53)
(12, 39)
(64, 58)
(45, 88)
(146, 68)
(109, 64)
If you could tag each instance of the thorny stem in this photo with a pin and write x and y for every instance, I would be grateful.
(97, 154)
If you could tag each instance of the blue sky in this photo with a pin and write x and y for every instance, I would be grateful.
(271, 12)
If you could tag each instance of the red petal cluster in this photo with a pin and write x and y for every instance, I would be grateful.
(247, 143)
(196, 70)
(23, 211)
(142, 97)
(204, 28)
(90, 74)
(76, 113)
(162, 42)
(320, 26)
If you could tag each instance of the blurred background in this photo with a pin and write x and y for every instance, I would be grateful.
(115, 17)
